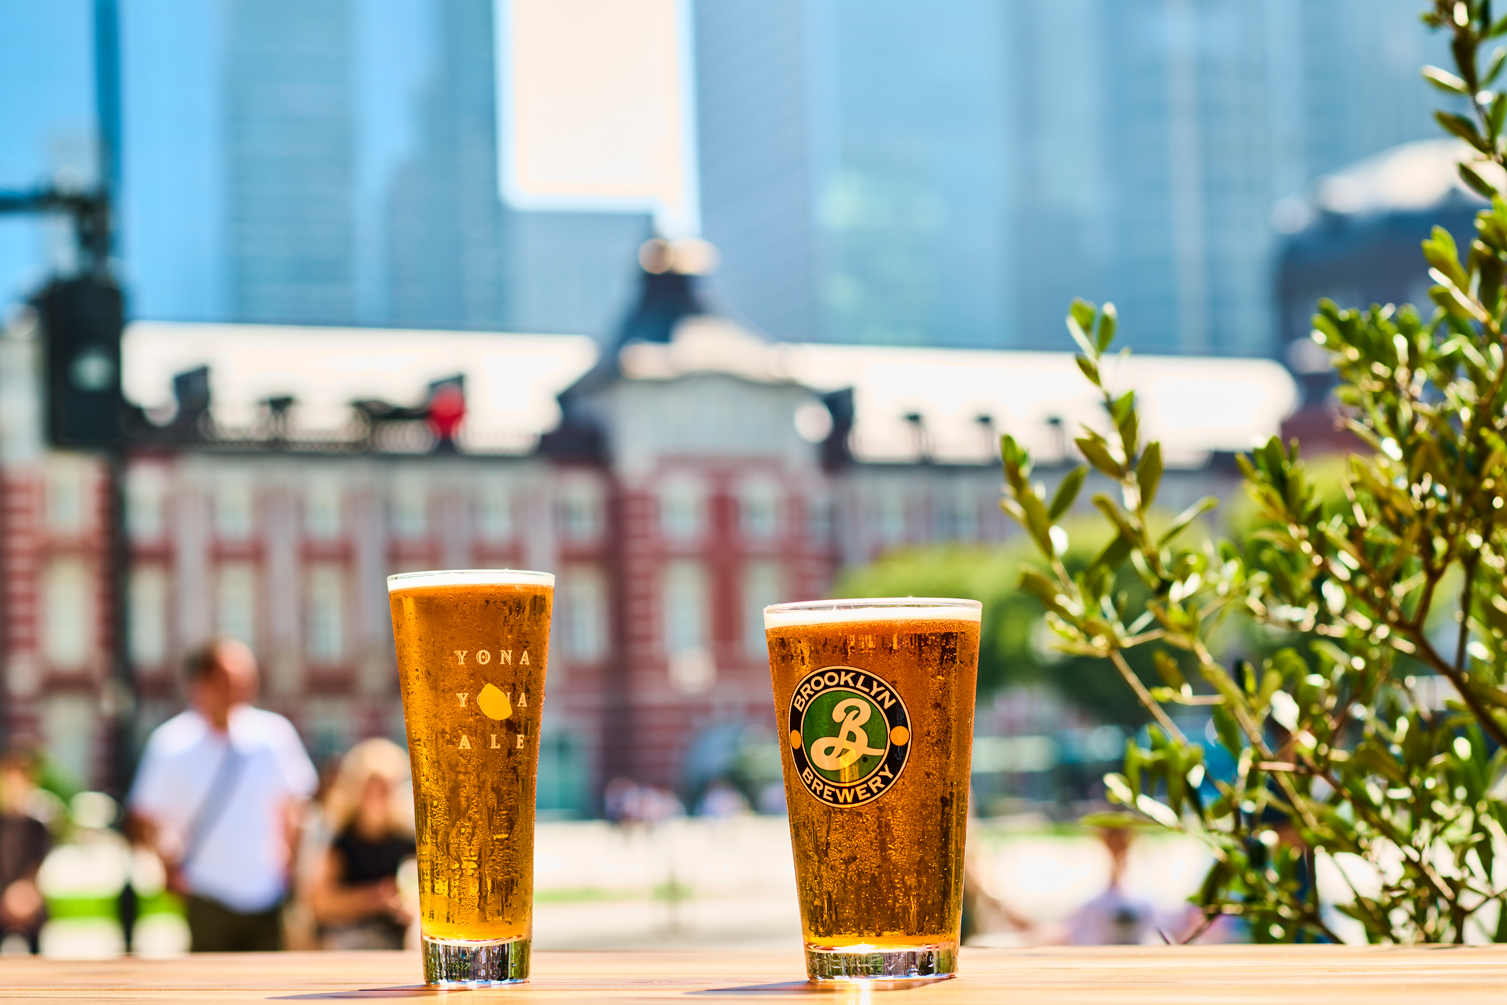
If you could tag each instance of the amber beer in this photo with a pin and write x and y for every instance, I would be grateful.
(472, 646)
(875, 704)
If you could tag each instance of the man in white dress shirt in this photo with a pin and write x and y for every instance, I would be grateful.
(217, 793)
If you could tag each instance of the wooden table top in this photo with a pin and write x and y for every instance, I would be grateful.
(1224, 975)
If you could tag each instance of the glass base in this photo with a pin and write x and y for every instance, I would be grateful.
(462, 961)
(863, 963)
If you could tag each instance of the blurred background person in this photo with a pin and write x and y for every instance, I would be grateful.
(1117, 917)
(24, 843)
(354, 894)
(721, 800)
(218, 794)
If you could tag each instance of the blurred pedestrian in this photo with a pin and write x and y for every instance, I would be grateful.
(1115, 917)
(218, 795)
(24, 843)
(721, 799)
(627, 802)
(354, 894)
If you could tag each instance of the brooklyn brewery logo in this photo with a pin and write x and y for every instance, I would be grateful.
(849, 734)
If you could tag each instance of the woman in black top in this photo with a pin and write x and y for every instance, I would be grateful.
(24, 843)
(355, 896)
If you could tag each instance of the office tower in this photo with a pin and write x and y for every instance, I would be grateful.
(289, 163)
(761, 153)
(445, 231)
(335, 162)
(956, 178)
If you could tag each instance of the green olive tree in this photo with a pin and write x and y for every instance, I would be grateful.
(1337, 755)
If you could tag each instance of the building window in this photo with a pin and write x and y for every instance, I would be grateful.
(686, 612)
(234, 505)
(762, 586)
(146, 502)
(685, 606)
(235, 601)
(582, 611)
(69, 722)
(955, 517)
(759, 509)
(819, 518)
(579, 512)
(65, 489)
(322, 509)
(409, 501)
(325, 606)
(682, 508)
(148, 615)
(888, 513)
(67, 614)
(494, 511)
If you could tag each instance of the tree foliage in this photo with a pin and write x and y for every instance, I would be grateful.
(1011, 650)
(1338, 754)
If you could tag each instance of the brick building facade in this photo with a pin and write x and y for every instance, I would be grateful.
(691, 475)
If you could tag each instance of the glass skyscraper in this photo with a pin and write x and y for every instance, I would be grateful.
(876, 173)
(336, 162)
(871, 170)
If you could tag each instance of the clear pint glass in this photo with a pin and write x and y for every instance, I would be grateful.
(874, 700)
(472, 646)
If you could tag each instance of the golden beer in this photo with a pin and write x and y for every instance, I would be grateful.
(875, 703)
(472, 647)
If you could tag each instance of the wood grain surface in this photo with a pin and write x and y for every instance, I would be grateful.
(1323, 975)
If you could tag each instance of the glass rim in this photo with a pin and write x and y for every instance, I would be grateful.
(811, 613)
(474, 577)
(857, 603)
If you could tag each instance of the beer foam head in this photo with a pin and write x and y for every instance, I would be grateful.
(469, 577)
(825, 612)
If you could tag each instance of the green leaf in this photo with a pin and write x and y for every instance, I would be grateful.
(1076, 330)
(1148, 473)
(1111, 509)
(1227, 729)
(1445, 81)
(1168, 670)
(1017, 463)
(1116, 552)
(1186, 517)
(1110, 820)
(1067, 492)
(1126, 421)
(1468, 174)
(1109, 319)
(1494, 68)
(1089, 367)
(1083, 312)
(1463, 128)
(1444, 256)
(1099, 456)
(1045, 589)
(1036, 520)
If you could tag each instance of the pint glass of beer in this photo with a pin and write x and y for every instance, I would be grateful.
(472, 647)
(874, 700)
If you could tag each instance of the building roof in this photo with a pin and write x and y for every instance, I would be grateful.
(511, 380)
(1194, 405)
(945, 404)
(1410, 178)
